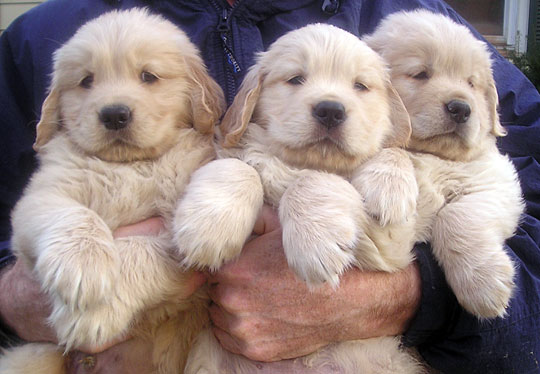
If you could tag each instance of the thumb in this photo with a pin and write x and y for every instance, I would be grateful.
(194, 281)
(149, 227)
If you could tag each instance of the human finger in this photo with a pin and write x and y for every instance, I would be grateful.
(227, 341)
(194, 282)
(149, 227)
(267, 221)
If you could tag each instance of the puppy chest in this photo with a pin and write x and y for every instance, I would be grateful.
(123, 195)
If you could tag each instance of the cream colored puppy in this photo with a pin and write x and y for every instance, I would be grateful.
(129, 117)
(316, 123)
(307, 131)
(470, 198)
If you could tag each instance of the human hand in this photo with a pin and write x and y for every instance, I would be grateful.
(133, 356)
(262, 311)
(23, 307)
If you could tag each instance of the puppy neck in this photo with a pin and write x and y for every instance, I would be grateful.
(318, 157)
(449, 149)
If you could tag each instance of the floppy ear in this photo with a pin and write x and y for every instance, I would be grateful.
(400, 119)
(493, 102)
(50, 120)
(207, 100)
(237, 117)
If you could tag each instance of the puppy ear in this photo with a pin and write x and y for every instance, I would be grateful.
(207, 100)
(237, 117)
(50, 120)
(400, 119)
(493, 102)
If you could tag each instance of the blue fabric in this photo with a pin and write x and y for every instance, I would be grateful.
(449, 339)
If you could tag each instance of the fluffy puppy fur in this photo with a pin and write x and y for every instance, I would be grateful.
(470, 198)
(129, 117)
(307, 135)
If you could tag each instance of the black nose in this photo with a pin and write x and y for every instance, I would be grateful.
(329, 113)
(459, 111)
(115, 117)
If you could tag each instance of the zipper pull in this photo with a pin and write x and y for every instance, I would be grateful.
(223, 25)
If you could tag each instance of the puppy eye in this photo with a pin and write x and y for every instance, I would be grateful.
(471, 83)
(296, 80)
(360, 86)
(423, 75)
(148, 77)
(87, 81)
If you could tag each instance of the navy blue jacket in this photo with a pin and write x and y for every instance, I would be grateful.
(447, 337)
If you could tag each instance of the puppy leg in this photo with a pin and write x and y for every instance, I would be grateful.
(149, 276)
(206, 355)
(70, 246)
(467, 242)
(370, 356)
(34, 358)
(388, 185)
(73, 254)
(323, 222)
(217, 212)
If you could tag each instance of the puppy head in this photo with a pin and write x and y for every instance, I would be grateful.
(125, 85)
(443, 75)
(324, 99)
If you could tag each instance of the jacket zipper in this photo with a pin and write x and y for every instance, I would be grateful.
(225, 33)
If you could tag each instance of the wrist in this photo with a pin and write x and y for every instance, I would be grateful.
(378, 303)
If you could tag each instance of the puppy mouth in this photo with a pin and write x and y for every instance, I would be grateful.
(123, 136)
(329, 138)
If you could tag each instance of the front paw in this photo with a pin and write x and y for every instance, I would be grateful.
(388, 185)
(217, 213)
(318, 255)
(94, 327)
(319, 216)
(484, 290)
(81, 274)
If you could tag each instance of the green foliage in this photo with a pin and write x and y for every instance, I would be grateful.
(528, 63)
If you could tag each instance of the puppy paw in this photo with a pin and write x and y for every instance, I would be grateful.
(487, 288)
(216, 215)
(81, 274)
(318, 214)
(322, 258)
(469, 247)
(388, 186)
(91, 328)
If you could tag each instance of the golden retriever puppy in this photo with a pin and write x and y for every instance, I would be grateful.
(307, 135)
(129, 117)
(470, 197)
